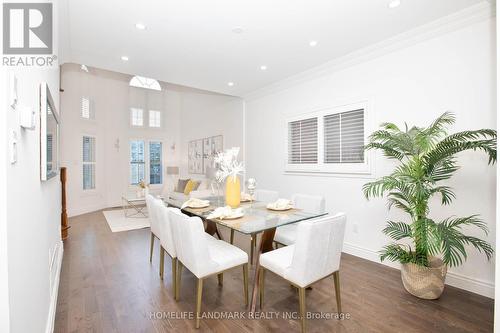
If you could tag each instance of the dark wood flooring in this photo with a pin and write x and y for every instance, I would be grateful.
(108, 285)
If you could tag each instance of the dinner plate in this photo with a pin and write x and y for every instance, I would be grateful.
(234, 216)
(279, 209)
(199, 206)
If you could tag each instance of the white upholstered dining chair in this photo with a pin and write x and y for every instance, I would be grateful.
(314, 256)
(287, 234)
(166, 238)
(203, 255)
(266, 195)
(153, 220)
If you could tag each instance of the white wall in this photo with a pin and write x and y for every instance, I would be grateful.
(455, 71)
(207, 114)
(187, 114)
(33, 214)
(111, 99)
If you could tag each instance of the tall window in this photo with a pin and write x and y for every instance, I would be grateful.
(155, 163)
(137, 162)
(89, 162)
(154, 118)
(330, 140)
(136, 117)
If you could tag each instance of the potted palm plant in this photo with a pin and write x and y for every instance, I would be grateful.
(426, 158)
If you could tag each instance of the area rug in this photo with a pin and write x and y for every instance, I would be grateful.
(118, 222)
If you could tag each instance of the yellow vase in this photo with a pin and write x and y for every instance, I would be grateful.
(233, 192)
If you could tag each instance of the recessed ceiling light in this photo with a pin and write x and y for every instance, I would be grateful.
(263, 67)
(84, 68)
(124, 58)
(230, 84)
(140, 26)
(394, 3)
(237, 30)
(313, 43)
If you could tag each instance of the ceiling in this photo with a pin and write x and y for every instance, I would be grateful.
(192, 42)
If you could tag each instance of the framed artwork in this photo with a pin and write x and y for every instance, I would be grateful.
(211, 146)
(195, 156)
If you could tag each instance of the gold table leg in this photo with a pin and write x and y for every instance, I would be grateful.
(266, 245)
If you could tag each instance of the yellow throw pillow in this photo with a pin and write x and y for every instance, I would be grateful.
(191, 185)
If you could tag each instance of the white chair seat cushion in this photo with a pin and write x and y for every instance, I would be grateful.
(224, 255)
(277, 261)
(286, 234)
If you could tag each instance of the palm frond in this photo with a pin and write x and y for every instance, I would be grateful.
(397, 230)
(396, 252)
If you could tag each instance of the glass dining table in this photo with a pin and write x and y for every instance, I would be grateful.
(257, 219)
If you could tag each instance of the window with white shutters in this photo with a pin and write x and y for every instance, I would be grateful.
(86, 109)
(329, 140)
(344, 137)
(89, 162)
(303, 141)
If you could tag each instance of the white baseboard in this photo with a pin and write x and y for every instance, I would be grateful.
(55, 288)
(477, 286)
(74, 211)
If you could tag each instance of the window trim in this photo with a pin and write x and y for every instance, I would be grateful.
(89, 190)
(364, 168)
(147, 161)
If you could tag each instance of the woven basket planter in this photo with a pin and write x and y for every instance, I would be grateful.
(424, 282)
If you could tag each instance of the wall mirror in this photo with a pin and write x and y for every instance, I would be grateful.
(49, 135)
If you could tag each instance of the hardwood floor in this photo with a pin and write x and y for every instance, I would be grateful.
(108, 285)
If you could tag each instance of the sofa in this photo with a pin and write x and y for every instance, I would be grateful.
(204, 190)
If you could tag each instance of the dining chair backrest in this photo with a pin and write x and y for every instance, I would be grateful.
(317, 249)
(191, 243)
(266, 195)
(152, 213)
(166, 229)
(309, 203)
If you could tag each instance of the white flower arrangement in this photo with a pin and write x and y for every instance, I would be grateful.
(228, 164)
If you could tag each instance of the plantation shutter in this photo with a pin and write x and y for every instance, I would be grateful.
(344, 137)
(85, 108)
(303, 141)
(88, 152)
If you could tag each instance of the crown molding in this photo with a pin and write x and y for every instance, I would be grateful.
(446, 24)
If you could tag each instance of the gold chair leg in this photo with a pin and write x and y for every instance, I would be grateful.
(178, 277)
(261, 285)
(302, 305)
(336, 280)
(220, 277)
(162, 261)
(232, 237)
(174, 275)
(199, 291)
(245, 282)
(151, 249)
